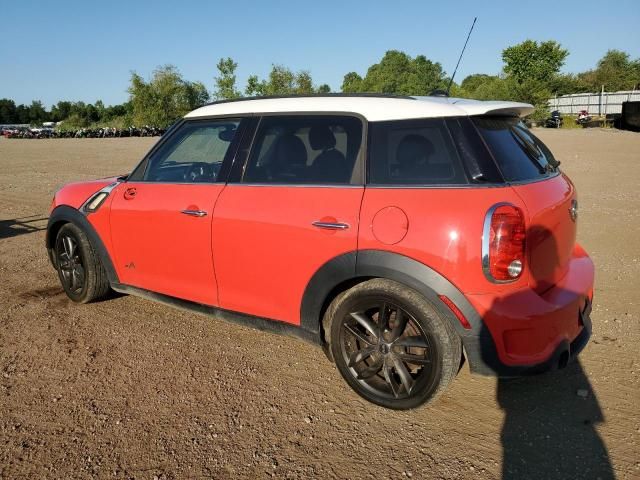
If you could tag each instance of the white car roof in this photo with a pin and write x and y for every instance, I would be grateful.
(373, 108)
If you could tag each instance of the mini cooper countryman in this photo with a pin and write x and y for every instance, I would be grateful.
(405, 235)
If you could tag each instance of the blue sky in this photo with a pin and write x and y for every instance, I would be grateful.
(72, 50)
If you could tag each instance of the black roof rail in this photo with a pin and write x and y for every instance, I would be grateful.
(312, 95)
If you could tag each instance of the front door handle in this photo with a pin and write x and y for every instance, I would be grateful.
(331, 225)
(194, 213)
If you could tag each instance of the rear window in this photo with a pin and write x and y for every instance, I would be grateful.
(520, 155)
(418, 152)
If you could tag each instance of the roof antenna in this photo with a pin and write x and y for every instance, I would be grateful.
(461, 53)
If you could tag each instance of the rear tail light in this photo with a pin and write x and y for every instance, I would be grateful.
(503, 243)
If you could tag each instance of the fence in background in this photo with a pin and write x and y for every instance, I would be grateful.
(602, 103)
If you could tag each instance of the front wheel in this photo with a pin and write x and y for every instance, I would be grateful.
(391, 345)
(81, 273)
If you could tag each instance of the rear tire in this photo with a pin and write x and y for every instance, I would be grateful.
(391, 345)
(80, 270)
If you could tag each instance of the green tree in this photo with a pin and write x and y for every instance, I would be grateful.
(255, 87)
(7, 111)
(165, 98)
(352, 83)
(22, 114)
(303, 83)
(282, 81)
(91, 114)
(398, 73)
(615, 70)
(37, 113)
(61, 111)
(564, 84)
(472, 82)
(226, 80)
(530, 75)
(532, 61)
(101, 110)
(493, 88)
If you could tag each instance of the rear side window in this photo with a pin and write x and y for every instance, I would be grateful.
(418, 152)
(520, 155)
(305, 150)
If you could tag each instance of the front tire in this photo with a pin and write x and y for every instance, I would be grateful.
(81, 273)
(391, 345)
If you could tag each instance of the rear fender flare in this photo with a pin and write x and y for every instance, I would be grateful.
(365, 264)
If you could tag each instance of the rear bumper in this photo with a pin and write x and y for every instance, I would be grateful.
(526, 333)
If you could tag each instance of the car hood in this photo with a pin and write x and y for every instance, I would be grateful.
(76, 193)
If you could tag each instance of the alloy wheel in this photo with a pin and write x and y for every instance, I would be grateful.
(386, 350)
(71, 266)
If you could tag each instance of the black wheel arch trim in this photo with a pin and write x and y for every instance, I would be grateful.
(478, 344)
(382, 264)
(68, 214)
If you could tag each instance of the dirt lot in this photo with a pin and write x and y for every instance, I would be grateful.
(131, 389)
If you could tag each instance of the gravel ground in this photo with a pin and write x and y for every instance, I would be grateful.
(127, 388)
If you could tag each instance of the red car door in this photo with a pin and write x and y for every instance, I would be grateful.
(161, 217)
(293, 207)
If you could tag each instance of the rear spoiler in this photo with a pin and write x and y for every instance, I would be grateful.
(474, 107)
(521, 110)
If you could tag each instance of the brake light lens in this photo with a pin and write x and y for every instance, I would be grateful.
(503, 243)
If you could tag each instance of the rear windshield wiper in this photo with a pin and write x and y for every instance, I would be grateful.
(529, 150)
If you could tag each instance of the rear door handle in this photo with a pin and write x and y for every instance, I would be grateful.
(194, 213)
(331, 225)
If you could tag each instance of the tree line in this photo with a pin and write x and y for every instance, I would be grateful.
(78, 114)
(530, 73)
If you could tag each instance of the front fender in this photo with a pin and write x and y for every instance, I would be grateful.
(65, 214)
(75, 194)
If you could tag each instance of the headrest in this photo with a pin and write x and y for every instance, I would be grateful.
(291, 150)
(321, 137)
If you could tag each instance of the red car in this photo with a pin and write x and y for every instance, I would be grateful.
(403, 234)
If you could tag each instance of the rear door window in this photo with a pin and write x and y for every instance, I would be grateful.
(413, 152)
(305, 150)
(519, 154)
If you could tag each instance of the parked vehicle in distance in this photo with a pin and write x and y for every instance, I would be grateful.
(630, 116)
(403, 234)
(554, 121)
(583, 117)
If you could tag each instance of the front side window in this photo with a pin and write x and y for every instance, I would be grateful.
(413, 152)
(305, 150)
(520, 155)
(193, 154)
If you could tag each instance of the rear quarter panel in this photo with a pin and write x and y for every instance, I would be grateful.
(443, 230)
